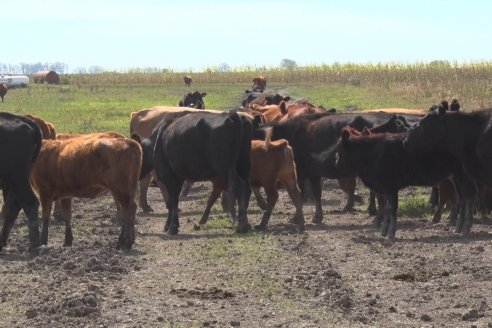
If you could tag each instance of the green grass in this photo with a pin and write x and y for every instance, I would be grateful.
(98, 108)
(415, 207)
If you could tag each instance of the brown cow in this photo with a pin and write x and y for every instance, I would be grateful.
(3, 90)
(448, 197)
(259, 84)
(187, 80)
(47, 128)
(284, 111)
(272, 165)
(88, 166)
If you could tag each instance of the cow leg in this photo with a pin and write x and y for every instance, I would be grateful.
(128, 213)
(296, 196)
(58, 212)
(392, 204)
(379, 218)
(163, 189)
(186, 188)
(11, 209)
(272, 197)
(259, 199)
(216, 189)
(142, 199)
(29, 203)
(371, 208)
(453, 214)
(46, 205)
(386, 217)
(66, 208)
(440, 206)
(434, 196)
(239, 188)
(467, 191)
(468, 217)
(316, 189)
(174, 189)
(119, 219)
(348, 186)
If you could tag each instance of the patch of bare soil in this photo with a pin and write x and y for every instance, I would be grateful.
(340, 273)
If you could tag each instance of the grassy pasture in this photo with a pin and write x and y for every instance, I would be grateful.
(102, 102)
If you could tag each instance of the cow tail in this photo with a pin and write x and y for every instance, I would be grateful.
(239, 176)
(157, 152)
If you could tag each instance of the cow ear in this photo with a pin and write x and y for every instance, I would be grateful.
(181, 104)
(442, 110)
(204, 94)
(137, 138)
(443, 105)
(345, 135)
(455, 105)
(287, 98)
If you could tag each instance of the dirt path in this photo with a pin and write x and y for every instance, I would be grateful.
(339, 274)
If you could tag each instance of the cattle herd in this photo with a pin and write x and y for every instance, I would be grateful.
(269, 142)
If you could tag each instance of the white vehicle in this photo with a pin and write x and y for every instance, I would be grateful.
(14, 80)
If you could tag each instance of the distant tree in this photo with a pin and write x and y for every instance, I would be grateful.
(223, 67)
(95, 69)
(288, 63)
(58, 67)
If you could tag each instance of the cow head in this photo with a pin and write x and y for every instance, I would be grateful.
(259, 84)
(193, 100)
(275, 99)
(343, 160)
(429, 133)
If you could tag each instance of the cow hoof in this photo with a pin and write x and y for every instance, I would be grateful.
(348, 209)
(146, 208)
(244, 228)
(197, 227)
(301, 228)
(317, 220)
(436, 219)
(67, 244)
(260, 227)
(172, 231)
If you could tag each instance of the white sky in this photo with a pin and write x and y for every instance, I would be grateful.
(192, 35)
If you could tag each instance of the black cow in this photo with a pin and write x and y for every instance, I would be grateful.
(309, 136)
(385, 166)
(202, 147)
(468, 136)
(3, 90)
(193, 100)
(260, 98)
(19, 147)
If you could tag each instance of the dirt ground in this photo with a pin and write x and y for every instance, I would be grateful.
(338, 274)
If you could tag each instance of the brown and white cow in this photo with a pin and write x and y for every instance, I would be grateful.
(3, 90)
(88, 166)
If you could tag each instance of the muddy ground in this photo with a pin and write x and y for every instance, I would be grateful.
(338, 274)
